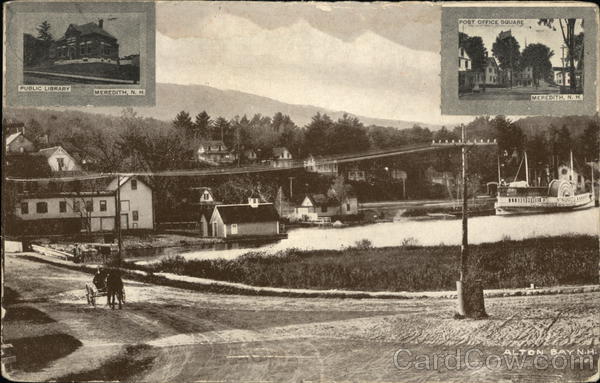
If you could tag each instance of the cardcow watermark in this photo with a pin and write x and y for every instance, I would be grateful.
(474, 358)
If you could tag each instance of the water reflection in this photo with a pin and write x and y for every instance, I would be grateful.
(426, 233)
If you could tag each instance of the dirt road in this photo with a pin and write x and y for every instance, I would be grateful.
(169, 334)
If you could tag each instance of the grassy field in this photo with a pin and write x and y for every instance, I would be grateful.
(507, 264)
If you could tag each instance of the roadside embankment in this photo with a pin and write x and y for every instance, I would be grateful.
(567, 265)
(544, 261)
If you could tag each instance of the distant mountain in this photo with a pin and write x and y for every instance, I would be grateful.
(172, 98)
(532, 125)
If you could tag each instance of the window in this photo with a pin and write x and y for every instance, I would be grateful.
(41, 207)
(133, 184)
(234, 228)
(62, 206)
(323, 209)
(103, 205)
(76, 207)
(82, 48)
(134, 215)
(206, 196)
(89, 206)
(347, 207)
(61, 163)
(24, 208)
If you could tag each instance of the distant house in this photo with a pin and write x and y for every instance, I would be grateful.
(439, 178)
(59, 160)
(251, 219)
(86, 43)
(282, 158)
(491, 71)
(203, 198)
(69, 212)
(214, 151)
(356, 174)
(18, 143)
(315, 206)
(562, 76)
(321, 165)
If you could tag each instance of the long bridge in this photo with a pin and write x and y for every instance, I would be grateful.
(256, 168)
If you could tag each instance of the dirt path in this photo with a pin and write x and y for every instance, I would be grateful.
(195, 336)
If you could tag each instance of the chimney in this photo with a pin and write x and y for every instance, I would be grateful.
(101, 23)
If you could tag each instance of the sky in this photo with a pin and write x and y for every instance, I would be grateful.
(373, 59)
(529, 32)
(124, 26)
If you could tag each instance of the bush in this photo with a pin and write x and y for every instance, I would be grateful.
(505, 264)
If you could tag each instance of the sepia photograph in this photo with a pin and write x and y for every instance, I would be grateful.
(79, 54)
(296, 205)
(82, 49)
(519, 59)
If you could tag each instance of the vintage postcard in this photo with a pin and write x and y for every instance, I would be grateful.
(304, 192)
(522, 60)
(80, 54)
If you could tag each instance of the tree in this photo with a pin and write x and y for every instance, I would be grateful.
(475, 48)
(220, 130)
(316, 133)
(538, 57)
(347, 135)
(44, 33)
(567, 29)
(202, 125)
(507, 51)
(183, 124)
(590, 141)
(510, 137)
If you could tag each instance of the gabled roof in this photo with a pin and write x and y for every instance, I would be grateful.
(322, 200)
(13, 137)
(48, 152)
(244, 213)
(492, 61)
(90, 28)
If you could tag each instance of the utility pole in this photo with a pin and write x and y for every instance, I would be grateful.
(469, 290)
(562, 69)
(291, 187)
(118, 220)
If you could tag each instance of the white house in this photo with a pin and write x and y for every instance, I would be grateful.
(96, 210)
(320, 165)
(282, 158)
(464, 60)
(59, 160)
(491, 71)
(137, 210)
(315, 206)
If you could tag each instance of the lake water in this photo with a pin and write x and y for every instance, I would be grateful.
(420, 232)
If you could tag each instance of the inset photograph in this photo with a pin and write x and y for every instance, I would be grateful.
(81, 48)
(520, 59)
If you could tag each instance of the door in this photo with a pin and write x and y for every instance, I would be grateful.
(124, 222)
